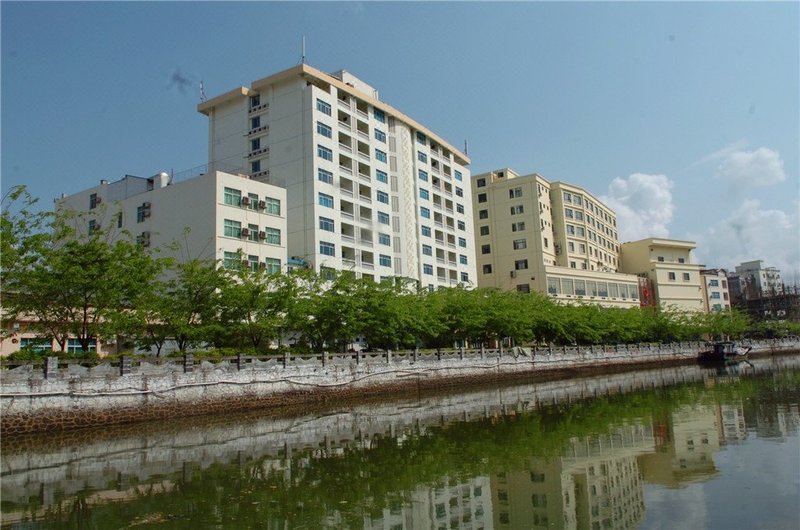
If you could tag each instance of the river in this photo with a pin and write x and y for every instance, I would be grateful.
(677, 447)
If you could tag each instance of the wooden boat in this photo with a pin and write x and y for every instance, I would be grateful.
(724, 352)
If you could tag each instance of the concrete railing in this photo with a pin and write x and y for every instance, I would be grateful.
(58, 396)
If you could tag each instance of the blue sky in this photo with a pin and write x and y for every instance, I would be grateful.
(683, 116)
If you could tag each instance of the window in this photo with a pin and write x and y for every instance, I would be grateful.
(255, 101)
(462, 259)
(480, 183)
(255, 144)
(142, 212)
(273, 265)
(427, 250)
(579, 231)
(517, 209)
(686, 276)
(273, 236)
(323, 107)
(384, 239)
(421, 138)
(681, 260)
(457, 174)
(715, 295)
(328, 249)
(462, 242)
(425, 212)
(661, 259)
(380, 135)
(567, 197)
(384, 260)
(423, 194)
(232, 197)
(465, 277)
(383, 218)
(325, 176)
(36, 344)
(484, 230)
(546, 243)
(273, 206)
(578, 215)
(482, 197)
(380, 155)
(253, 233)
(570, 246)
(459, 192)
(460, 208)
(255, 122)
(324, 130)
(379, 115)
(483, 214)
(523, 288)
(230, 260)
(381, 176)
(92, 201)
(486, 249)
(520, 244)
(326, 224)
(568, 213)
(119, 220)
(324, 153)
(382, 196)
(519, 226)
(255, 166)
(422, 157)
(325, 200)
(514, 193)
(461, 225)
(426, 230)
(423, 175)
(671, 276)
(713, 283)
(93, 226)
(427, 269)
(232, 228)
(521, 264)
(577, 199)
(487, 268)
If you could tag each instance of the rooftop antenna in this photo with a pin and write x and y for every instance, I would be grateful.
(465, 148)
(202, 92)
(303, 51)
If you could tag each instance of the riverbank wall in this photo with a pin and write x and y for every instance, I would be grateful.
(62, 397)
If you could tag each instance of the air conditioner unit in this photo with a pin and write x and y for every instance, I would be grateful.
(262, 204)
(262, 235)
(262, 265)
(245, 232)
(98, 200)
(245, 201)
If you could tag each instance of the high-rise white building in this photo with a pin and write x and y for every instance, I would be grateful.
(368, 188)
(752, 279)
(554, 238)
(216, 216)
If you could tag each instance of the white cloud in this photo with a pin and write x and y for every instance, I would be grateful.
(752, 232)
(643, 204)
(744, 169)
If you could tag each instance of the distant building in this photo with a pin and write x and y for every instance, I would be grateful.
(667, 263)
(752, 280)
(716, 296)
(368, 188)
(554, 238)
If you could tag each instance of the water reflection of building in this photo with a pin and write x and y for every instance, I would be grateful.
(466, 506)
(684, 452)
(596, 484)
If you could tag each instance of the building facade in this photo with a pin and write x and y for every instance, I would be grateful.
(716, 296)
(215, 216)
(751, 280)
(554, 238)
(667, 263)
(368, 188)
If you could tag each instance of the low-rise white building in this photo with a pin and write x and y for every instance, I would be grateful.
(214, 216)
(715, 290)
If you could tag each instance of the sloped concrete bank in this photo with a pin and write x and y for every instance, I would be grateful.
(75, 397)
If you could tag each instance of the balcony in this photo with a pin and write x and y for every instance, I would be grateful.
(258, 108)
(256, 130)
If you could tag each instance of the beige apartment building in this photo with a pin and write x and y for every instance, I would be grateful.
(554, 238)
(667, 264)
(368, 188)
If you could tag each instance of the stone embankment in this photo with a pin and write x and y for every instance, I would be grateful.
(61, 398)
